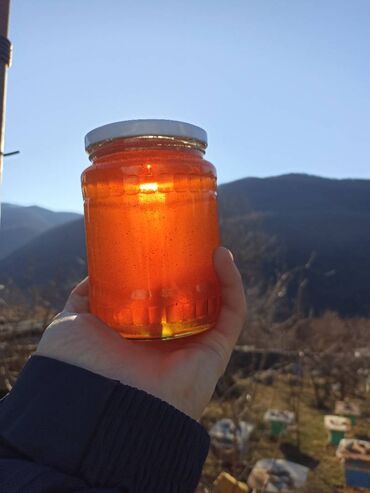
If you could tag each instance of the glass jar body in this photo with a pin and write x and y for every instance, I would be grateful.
(151, 229)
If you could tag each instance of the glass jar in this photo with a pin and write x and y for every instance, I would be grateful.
(151, 225)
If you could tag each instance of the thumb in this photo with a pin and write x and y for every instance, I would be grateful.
(232, 290)
(223, 337)
(78, 300)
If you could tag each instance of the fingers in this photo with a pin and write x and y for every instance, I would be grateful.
(78, 300)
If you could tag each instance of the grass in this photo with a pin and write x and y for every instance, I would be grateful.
(307, 444)
(248, 400)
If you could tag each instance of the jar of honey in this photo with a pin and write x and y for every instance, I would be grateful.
(151, 224)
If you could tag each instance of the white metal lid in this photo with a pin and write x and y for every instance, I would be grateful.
(138, 128)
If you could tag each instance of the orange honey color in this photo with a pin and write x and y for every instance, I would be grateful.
(151, 230)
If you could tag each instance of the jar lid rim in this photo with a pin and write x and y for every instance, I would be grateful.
(142, 128)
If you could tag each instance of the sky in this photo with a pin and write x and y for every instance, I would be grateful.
(280, 86)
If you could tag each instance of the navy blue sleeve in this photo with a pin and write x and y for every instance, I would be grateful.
(64, 429)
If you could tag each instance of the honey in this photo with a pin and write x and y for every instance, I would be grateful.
(150, 204)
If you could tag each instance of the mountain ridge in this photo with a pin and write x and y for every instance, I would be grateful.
(20, 224)
(271, 224)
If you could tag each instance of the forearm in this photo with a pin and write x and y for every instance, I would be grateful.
(101, 432)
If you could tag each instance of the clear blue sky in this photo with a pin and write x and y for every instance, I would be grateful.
(280, 85)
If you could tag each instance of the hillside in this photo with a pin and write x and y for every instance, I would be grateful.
(294, 194)
(339, 278)
(305, 215)
(271, 224)
(19, 225)
(52, 262)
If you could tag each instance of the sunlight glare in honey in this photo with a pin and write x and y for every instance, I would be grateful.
(148, 187)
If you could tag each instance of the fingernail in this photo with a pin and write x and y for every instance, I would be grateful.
(231, 254)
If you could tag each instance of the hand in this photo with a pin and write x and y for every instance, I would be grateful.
(182, 372)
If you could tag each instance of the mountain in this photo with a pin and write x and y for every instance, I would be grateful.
(271, 224)
(306, 215)
(52, 262)
(294, 194)
(19, 225)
